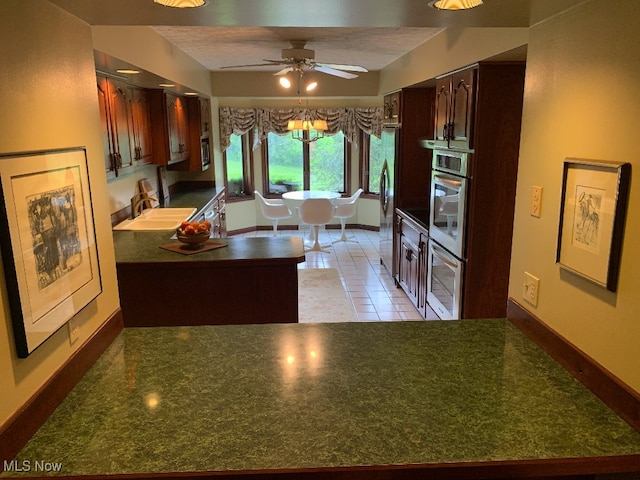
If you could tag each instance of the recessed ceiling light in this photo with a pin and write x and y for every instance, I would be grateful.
(192, 94)
(128, 71)
(167, 85)
(181, 3)
(455, 4)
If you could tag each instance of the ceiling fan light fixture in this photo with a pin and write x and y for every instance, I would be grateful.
(284, 82)
(455, 4)
(181, 3)
(311, 86)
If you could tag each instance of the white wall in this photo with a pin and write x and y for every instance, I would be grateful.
(49, 101)
(581, 100)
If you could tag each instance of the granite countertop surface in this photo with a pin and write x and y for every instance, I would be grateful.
(300, 396)
(144, 247)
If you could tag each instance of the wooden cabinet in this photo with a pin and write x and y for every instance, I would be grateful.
(141, 121)
(411, 269)
(170, 114)
(117, 125)
(199, 136)
(454, 113)
(177, 114)
(492, 119)
(392, 108)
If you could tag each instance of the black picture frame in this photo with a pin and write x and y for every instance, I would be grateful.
(592, 219)
(51, 260)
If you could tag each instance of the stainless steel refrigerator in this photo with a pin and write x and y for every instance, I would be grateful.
(390, 141)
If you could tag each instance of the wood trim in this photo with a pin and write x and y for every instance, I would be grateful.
(534, 469)
(15, 433)
(620, 397)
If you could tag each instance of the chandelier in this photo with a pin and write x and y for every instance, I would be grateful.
(299, 127)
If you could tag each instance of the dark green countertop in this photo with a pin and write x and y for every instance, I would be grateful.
(197, 198)
(144, 247)
(305, 396)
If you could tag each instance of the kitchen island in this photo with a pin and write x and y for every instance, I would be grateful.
(246, 280)
(473, 399)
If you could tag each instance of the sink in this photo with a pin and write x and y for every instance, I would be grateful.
(154, 219)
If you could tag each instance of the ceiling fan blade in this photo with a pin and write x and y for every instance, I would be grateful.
(350, 68)
(255, 65)
(284, 71)
(333, 71)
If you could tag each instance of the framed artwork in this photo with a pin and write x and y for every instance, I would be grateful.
(50, 258)
(592, 217)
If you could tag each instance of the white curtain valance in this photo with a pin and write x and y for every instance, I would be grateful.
(265, 120)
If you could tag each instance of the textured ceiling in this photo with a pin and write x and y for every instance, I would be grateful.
(372, 48)
(371, 33)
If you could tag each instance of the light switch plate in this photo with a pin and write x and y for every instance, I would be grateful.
(530, 287)
(536, 201)
(74, 330)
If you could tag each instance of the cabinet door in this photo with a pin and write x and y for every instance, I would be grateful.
(114, 99)
(177, 118)
(141, 117)
(409, 261)
(442, 109)
(462, 109)
(107, 134)
(205, 116)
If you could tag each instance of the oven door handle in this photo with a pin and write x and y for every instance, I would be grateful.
(448, 181)
(443, 257)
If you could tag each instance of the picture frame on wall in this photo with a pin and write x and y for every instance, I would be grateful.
(51, 260)
(592, 218)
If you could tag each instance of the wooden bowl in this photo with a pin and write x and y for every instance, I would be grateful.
(192, 240)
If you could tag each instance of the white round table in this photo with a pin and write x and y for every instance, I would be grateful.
(301, 195)
(305, 194)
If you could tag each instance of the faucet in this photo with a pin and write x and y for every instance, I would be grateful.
(137, 201)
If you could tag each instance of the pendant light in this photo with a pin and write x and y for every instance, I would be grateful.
(181, 3)
(455, 4)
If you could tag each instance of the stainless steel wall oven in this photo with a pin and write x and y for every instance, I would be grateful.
(446, 255)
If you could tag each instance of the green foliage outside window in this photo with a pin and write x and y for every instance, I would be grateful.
(376, 159)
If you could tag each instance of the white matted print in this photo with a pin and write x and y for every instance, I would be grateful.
(594, 199)
(51, 263)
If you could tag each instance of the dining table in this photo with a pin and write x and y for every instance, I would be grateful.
(302, 195)
(306, 194)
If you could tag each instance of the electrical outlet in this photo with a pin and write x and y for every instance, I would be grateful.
(530, 288)
(536, 201)
(74, 330)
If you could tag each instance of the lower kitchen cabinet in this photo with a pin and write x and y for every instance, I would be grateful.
(411, 267)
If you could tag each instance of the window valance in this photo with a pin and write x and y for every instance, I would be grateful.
(265, 120)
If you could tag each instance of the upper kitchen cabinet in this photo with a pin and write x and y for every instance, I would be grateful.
(117, 125)
(170, 114)
(199, 124)
(455, 104)
(141, 118)
(392, 108)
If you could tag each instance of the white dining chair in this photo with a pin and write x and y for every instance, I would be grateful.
(346, 208)
(316, 212)
(274, 210)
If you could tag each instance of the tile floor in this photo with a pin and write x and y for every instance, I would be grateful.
(369, 286)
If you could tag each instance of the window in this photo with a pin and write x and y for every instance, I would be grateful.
(238, 166)
(371, 160)
(294, 165)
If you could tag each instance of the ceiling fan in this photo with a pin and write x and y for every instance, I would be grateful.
(298, 59)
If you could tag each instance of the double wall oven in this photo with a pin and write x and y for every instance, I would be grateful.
(449, 187)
